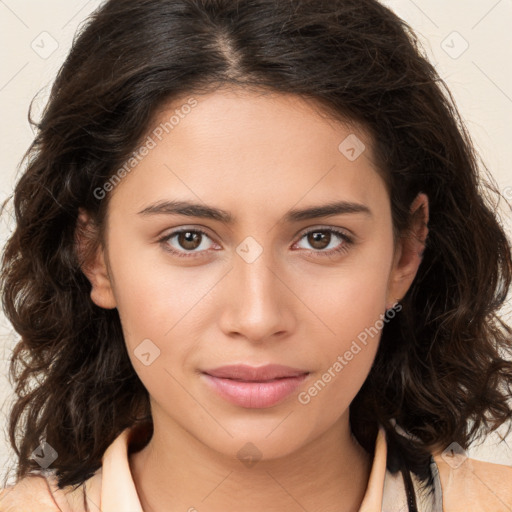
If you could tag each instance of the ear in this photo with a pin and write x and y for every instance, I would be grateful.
(91, 255)
(409, 252)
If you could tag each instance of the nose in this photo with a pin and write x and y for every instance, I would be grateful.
(257, 303)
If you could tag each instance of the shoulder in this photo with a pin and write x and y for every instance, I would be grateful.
(40, 493)
(30, 493)
(470, 484)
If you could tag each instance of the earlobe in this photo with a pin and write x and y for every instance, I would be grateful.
(91, 257)
(410, 250)
(101, 292)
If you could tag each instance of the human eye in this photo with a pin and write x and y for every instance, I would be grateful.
(321, 238)
(192, 242)
(185, 242)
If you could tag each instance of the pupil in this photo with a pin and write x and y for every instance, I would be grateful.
(317, 240)
(189, 240)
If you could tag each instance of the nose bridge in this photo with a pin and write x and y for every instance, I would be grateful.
(256, 274)
(257, 306)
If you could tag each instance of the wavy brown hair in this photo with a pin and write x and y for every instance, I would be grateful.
(442, 371)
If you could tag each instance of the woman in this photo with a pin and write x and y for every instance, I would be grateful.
(254, 268)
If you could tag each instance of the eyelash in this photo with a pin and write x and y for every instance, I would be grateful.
(343, 248)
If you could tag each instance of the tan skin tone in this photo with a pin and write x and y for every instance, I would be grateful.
(257, 156)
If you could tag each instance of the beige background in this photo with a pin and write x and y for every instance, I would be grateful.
(470, 42)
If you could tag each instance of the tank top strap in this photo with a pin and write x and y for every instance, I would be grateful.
(396, 496)
(429, 499)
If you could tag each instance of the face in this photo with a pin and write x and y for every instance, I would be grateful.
(261, 280)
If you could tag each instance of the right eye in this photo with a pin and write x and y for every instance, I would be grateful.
(185, 241)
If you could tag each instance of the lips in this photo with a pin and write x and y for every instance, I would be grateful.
(254, 387)
(256, 374)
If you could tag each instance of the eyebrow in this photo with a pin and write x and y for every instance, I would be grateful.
(190, 209)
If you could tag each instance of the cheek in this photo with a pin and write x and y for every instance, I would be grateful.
(161, 309)
(331, 391)
(353, 313)
(153, 312)
(353, 295)
(152, 296)
(350, 305)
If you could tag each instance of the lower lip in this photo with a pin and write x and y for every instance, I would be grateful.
(255, 395)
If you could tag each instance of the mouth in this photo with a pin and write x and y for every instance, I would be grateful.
(249, 373)
(254, 387)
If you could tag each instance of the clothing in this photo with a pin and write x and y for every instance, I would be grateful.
(473, 486)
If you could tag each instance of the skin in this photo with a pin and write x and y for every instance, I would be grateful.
(257, 156)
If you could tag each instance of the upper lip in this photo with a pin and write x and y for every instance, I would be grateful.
(255, 373)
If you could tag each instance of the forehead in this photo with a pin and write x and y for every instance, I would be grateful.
(261, 148)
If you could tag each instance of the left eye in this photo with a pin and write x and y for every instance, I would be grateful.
(188, 240)
(320, 240)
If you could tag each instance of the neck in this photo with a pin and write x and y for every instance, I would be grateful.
(329, 474)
